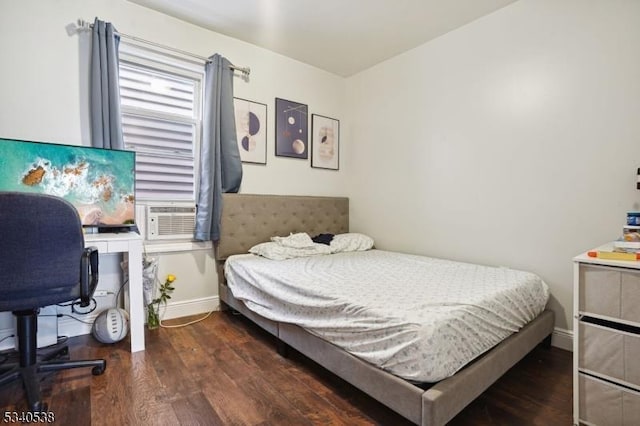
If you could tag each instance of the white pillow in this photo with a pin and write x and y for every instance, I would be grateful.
(351, 241)
(299, 240)
(276, 251)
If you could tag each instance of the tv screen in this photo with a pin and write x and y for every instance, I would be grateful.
(100, 183)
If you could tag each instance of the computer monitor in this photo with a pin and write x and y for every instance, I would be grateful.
(100, 183)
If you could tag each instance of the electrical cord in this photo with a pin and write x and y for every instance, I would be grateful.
(162, 325)
(125, 282)
(70, 316)
(7, 337)
(5, 357)
(77, 319)
(91, 308)
(187, 323)
(77, 303)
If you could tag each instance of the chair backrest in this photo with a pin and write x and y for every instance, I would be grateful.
(41, 246)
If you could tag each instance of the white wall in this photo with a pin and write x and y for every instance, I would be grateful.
(43, 76)
(513, 140)
(43, 85)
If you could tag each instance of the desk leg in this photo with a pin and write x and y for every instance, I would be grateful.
(136, 298)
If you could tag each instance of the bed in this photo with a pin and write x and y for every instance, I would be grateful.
(248, 220)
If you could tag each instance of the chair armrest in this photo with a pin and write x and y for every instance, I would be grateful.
(88, 275)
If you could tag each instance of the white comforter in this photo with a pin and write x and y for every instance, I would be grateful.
(419, 318)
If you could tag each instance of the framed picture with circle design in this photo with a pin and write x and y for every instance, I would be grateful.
(325, 142)
(291, 129)
(251, 130)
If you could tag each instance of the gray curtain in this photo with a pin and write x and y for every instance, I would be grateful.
(220, 164)
(104, 96)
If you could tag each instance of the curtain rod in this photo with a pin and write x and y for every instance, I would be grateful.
(86, 25)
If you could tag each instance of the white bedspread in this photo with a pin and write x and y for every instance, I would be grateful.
(419, 318)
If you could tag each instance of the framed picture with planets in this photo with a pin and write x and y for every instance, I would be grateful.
(292, 129)
(325, 142)
(251, 129)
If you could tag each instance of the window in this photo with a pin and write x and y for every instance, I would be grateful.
(161, 101)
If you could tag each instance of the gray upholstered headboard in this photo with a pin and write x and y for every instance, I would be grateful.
(249, 219)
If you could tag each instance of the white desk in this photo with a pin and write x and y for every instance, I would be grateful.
(131, 244)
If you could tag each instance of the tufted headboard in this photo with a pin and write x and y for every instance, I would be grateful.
(249, 219)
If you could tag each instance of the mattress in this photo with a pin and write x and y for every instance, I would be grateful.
(416, 317)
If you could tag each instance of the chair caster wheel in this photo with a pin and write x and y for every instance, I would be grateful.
(40, 407)
(98, 370)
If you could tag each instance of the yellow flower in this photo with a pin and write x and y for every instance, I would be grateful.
(171, 278)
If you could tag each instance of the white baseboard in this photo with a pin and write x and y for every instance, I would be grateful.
(562, 339)
(190, 307)
(70, 327)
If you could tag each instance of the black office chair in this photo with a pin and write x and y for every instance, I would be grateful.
(43, 262)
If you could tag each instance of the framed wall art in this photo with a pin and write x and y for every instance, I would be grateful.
(251, 130)
(292, 129)
(325, 142)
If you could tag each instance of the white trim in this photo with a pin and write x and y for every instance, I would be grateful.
(190, 307)
(562, 339)
(70, 327)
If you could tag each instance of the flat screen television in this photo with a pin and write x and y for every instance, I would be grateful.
(100, 183)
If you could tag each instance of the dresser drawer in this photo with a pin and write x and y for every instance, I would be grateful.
(630, 296)
(605, 404)
(610, 352)
(611, 292)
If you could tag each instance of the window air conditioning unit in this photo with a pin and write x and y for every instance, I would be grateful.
(170, 222)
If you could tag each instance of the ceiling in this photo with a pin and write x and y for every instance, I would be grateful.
(343, 37)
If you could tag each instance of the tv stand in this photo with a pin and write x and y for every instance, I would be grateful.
(129, 243)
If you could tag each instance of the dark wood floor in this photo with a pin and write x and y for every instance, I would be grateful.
(225, 371)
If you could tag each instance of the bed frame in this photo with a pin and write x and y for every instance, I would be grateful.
(251, 219)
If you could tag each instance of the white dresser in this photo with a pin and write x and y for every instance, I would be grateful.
(606, 345)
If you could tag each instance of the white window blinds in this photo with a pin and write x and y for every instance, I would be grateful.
(161, 106)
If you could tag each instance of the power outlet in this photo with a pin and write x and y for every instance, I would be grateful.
(100, 293)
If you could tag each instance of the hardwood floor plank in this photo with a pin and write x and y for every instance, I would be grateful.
(297, 392)
(72, 407)
(231, 402)
(537, 391)
(225, 370)
(354, 406)
(150, 401)
(194, 355)
(195, 410)
(167, 365)
(199, 348)
(271, 403)
(113, 389)
(205, 367)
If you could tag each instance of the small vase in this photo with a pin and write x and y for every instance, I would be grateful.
(153, 319)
